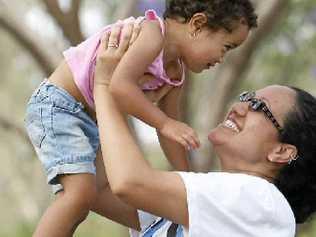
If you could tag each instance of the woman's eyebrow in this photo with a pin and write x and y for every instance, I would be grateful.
(265, 100)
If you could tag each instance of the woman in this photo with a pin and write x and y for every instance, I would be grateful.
(265, 146)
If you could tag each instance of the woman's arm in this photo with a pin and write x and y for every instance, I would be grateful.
(109, 205)
(129, 175)
(176, 154)
(131, 178)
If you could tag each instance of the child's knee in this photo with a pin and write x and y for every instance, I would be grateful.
(80, 202)
(82, 194)
(84, 197)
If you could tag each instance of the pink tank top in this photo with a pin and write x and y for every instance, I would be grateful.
(82, 59)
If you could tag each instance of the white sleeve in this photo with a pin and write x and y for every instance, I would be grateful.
(220, 204)
(203, 194)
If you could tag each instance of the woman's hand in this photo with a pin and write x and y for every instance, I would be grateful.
(113, 46)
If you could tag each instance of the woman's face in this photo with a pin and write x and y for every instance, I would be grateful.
(249, 136)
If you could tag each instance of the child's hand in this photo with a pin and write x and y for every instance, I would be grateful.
(112, 48)
(181, 133)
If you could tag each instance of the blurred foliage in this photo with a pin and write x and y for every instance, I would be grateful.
(288, 56)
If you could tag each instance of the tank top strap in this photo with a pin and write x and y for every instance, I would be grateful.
(167, 80)
(159, 66)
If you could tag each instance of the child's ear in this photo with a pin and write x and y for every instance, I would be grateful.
(282, 153)
(197, 22)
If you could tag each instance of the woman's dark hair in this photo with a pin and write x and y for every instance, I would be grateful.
(297, 180)
(220, 13)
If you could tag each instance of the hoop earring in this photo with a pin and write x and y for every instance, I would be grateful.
(293, 158)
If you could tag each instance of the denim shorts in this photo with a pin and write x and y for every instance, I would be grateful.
(64, 136)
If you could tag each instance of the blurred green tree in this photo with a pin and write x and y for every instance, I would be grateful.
(35, 33)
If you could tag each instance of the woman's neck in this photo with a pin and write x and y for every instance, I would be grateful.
(267, 177)
(260, 167)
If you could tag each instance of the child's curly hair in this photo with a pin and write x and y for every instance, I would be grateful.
(220, 13)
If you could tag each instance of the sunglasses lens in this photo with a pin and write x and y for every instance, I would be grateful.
(258, 105)
(255, 104)
(244, 96)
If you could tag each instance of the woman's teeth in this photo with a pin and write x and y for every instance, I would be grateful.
(230, 124)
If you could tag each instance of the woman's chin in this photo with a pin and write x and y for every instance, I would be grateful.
(216, 137)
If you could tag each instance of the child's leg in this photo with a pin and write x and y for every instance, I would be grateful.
(66, 140)
(109, 205)
(70, 208)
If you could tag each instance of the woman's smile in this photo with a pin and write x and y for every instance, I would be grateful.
(231, 125)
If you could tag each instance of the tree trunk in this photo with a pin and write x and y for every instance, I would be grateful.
(35, 46)
(68, 21)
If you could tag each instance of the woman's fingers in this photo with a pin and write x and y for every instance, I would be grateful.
(136, 30)
(122, 36)
(125, 38)
(114, 36)
(113, 45)
(105, 41)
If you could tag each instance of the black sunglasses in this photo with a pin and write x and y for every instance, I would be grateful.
(256, 104)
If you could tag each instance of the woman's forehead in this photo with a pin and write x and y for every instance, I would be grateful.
(275, 92)
(280, 99)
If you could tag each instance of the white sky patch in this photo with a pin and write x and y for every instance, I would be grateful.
(306, 33)
(285, 46)
(91, 21)
(40, 22)
(65, 5)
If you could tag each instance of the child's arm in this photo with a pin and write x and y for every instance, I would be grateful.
(124, 83)
(175, 153)
(124, 86)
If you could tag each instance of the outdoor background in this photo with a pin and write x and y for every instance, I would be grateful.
(33, 34)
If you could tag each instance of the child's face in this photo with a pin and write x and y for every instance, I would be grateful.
(209, 47)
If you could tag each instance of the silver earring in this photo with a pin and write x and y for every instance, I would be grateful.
(292, 158)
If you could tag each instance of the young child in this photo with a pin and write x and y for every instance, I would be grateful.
(60, 116)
